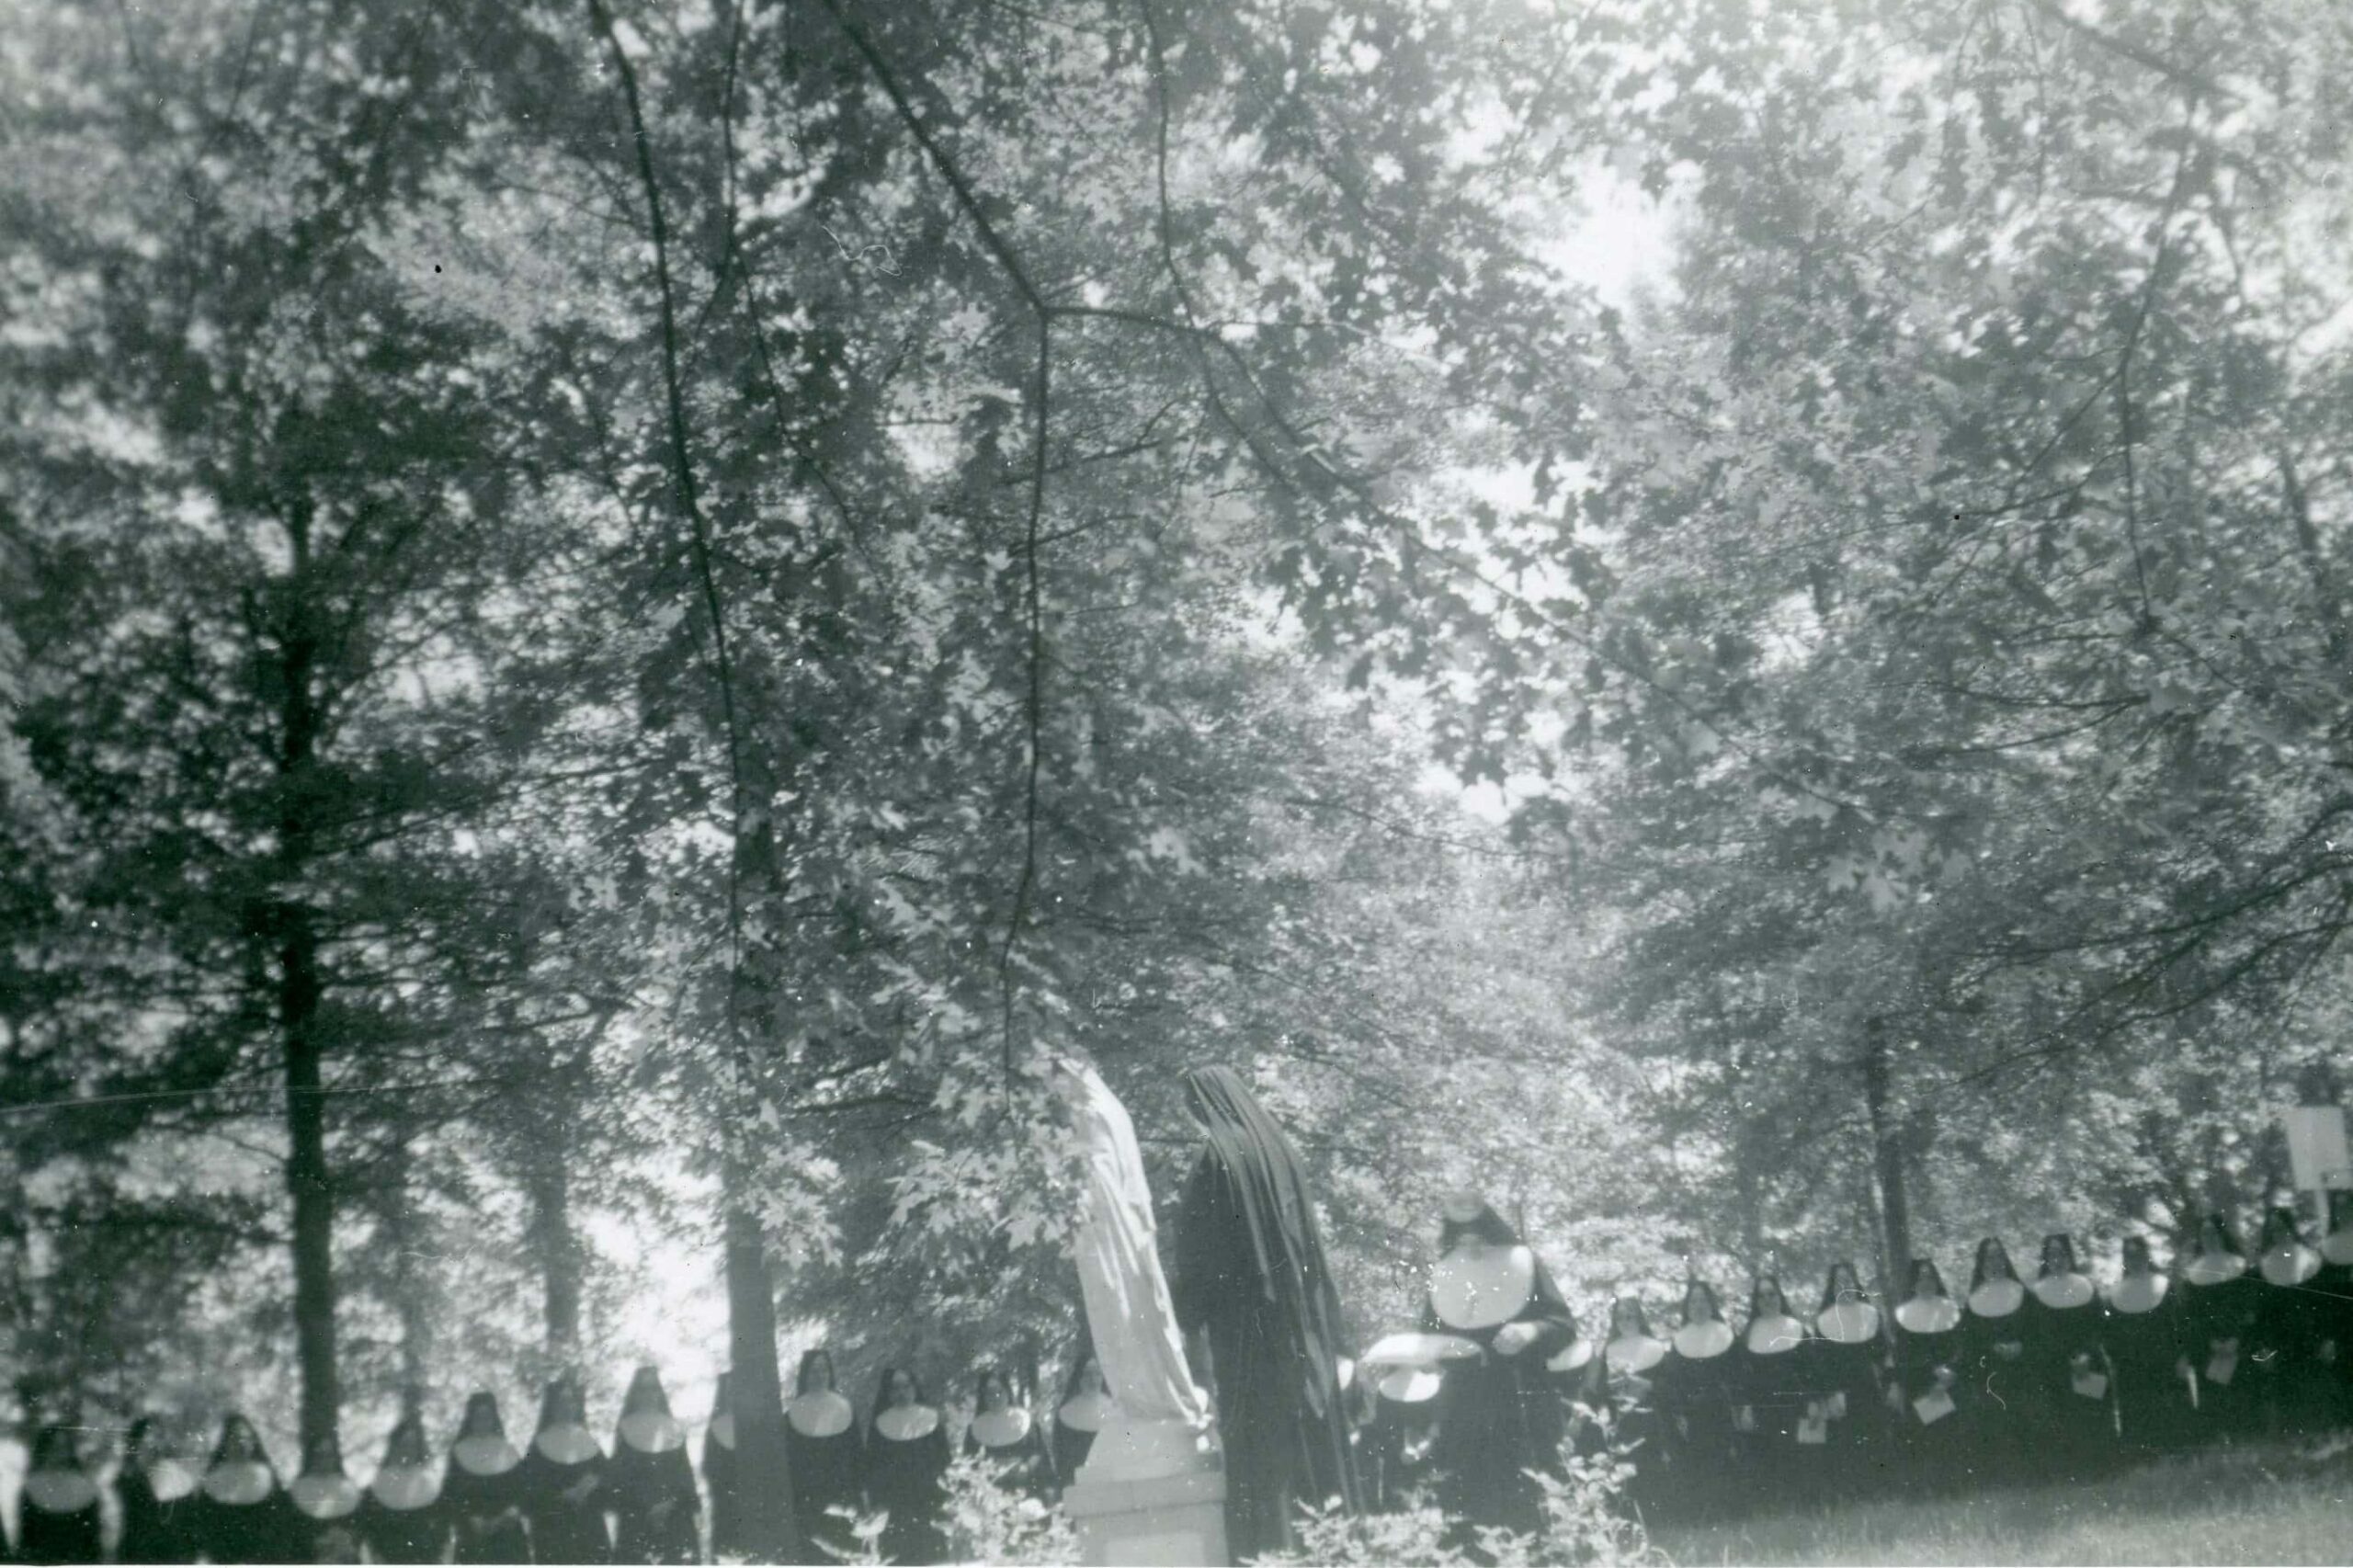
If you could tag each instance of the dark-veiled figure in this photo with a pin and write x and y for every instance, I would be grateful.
(1631, 1358)
(239, 1513)
(2222, 1296)
(1004, 1432)
(1085, 1404)
(1697, 1388)
(906, 1470)
(650, 1483)
(2071, 1395)
(1931, 1355)
(2334, 1284)
(1769, 1371)
(483, 1489)
(2147, 1337)
(156, 1490)
(1846, 1435)
(402, 1518)
(57, 1511)
(563, 1479)
(1998, 1398)
(326, 1505)
(823, 1451)
(1504, 1415)
(1251, 1278)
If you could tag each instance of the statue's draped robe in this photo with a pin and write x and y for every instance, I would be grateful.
(1129, 1315)
(1251, 1276)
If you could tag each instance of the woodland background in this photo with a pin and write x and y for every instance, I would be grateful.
(613, 616)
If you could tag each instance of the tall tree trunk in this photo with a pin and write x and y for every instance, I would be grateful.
(306, 1176)
(1887, 1149)
(403, 1232)
(556, 1245)
(771, 1533)
(301, 990)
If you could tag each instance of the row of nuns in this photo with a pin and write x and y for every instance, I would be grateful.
(895, 1465)
(566, 1497)
(2051, 1376)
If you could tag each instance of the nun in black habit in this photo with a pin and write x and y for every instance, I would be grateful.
(1847, 1373)
(650, 1483)
(1768, 1380)
(906, 1470)
(1086, 1405)
(2219, 1299)
(1631, 1357)
(2289, 1379)
(1579, 1375)
(2147, 1340)
(156, 1490)
(1696, 1386)
(1504, 1416)
(326, 1501)
(239, 1513)
(823, 1453)
(2070, 1409)
(1932, 1392)
(564, 1481)
(401, 1517)
(57, 1512)
(2334, 1284)
(482, 1490)
(1995, 1369)
(1408, 1408)
(1003, 1432)
(1251, 1278)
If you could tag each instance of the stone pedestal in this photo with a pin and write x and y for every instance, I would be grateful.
(1152, 1494)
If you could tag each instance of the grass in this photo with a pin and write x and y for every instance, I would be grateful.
(2274, 1504)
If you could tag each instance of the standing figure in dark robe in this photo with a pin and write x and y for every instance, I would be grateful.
(2147, 1338)
(1994, 1371)
(2220, 1297)
(2071, 1397)
(1696, 1389)
(906, 1470)
(1579, 1375)
(1251, 1278)
(1504, 1416)
(401, 1517)
(2289, 1381)
(1768, 1380)
(1932, 1347)
(1085, 1404)
(650, 1483)
(721, 1470)
(1846, 1422)
(57, 1512)
(824, 1456)
(155, 1490)
(1631, 1358)
(1003, 1431)
(482, 1490)
(564, 1481)
(326, 1501)
(1395, 1467)
(239, 1513)
(2335, 1283)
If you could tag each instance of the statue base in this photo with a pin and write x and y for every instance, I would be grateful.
(1151, 1493)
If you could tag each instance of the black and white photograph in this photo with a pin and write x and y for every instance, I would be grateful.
(1470, 783)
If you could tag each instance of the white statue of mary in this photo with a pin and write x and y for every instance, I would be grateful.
(1161, 1412)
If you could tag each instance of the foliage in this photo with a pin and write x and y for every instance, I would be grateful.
(1585, 1522)
(992, 1521)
